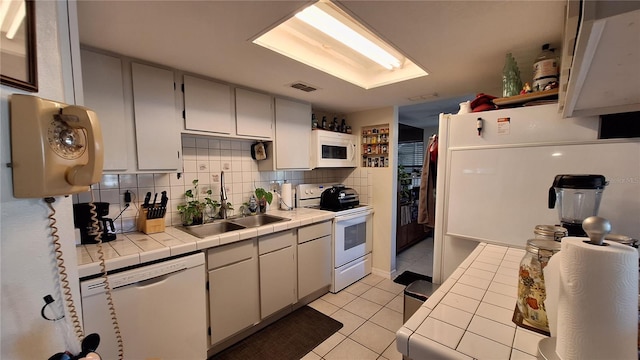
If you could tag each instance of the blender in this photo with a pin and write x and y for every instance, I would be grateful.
(577, 197)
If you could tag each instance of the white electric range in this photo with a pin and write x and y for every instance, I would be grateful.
(352, 236)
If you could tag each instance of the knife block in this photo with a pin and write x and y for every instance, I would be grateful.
(149, 226)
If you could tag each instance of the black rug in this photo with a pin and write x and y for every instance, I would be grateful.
(291, 337)
(408, 277)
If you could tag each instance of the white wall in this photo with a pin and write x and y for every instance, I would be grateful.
(27, 265)
(384, 189)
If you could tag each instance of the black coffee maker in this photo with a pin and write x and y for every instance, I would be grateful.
(82, 221)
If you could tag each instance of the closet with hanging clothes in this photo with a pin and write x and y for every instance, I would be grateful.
(427, 197)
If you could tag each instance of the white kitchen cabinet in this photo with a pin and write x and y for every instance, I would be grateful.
(314, 258)
(292, 137)
(600, 72)
(234, 295)
(104, 93)
(254, 114)
(157, 133)
(277, 271)
(208, 106)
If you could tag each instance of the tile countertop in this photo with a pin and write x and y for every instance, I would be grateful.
(135, 248)
(469, 316)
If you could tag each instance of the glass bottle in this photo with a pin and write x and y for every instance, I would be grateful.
(511, 82)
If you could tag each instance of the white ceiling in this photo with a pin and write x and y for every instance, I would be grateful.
(462, 44)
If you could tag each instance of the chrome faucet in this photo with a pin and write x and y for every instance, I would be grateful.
(223, 197)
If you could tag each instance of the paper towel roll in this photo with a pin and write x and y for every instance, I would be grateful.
(598, 301)
(552, 288)
(286, 197)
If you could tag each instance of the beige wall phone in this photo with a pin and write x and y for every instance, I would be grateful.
(56, 149)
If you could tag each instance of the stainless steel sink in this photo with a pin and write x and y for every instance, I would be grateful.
(257, 220)
(210, 229)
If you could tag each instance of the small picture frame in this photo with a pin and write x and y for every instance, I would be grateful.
(18, 50)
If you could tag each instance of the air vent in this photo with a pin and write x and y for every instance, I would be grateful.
(303, 87)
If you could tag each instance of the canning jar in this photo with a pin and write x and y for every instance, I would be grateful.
(550, 232)
(531, 289)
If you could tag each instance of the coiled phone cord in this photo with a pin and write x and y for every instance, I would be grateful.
(107, 286)
(62, 271)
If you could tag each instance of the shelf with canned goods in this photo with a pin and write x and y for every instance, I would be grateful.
(375, 161)
(375, 149)
(375, 146)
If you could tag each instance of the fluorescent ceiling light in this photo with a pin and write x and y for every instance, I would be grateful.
(328, 39)
(341, 32)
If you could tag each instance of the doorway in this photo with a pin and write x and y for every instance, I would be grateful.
(414, 241)
(418, 257)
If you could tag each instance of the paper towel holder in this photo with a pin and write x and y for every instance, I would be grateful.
(547, 349)
(596, 228)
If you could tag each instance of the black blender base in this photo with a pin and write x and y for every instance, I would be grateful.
(574, 229)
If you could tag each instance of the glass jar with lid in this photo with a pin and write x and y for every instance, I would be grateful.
(531, 289)
(550, 232)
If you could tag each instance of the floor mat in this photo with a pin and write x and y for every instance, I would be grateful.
(291, 337)
(408, 277)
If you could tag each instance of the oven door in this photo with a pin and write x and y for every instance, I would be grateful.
(353, 236)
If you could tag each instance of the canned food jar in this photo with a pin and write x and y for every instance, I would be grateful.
(531, 289)
(550, 232)
(622, 239)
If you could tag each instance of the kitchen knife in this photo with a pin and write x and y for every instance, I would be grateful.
(146, 200)
(164, 199)
(163, 204)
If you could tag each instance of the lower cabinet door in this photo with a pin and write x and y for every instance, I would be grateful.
(277, 280)
(314, 265)
(234, 301)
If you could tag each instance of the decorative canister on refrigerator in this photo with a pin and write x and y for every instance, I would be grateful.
(531, 289)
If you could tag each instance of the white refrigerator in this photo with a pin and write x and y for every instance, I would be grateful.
(493, 187)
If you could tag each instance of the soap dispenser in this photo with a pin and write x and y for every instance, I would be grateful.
(253, 205)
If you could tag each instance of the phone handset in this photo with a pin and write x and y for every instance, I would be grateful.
(84, 118)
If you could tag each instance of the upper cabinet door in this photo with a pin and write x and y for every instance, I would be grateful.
(104, 94)
(157, 133)
(293, 134)
(254, 114)
(208, 106)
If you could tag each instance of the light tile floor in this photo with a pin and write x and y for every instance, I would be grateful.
(370, 311)
(418, 258)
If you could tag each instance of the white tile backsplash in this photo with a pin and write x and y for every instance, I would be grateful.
(204, 159)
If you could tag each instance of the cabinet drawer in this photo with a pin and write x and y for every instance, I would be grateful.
(277, 241)
(314, 231)
(229, 254)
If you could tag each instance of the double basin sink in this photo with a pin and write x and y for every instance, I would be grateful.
(222, 226)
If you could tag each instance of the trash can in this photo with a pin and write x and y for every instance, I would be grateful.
(415, 294)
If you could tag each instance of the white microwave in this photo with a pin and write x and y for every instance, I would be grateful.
(331, 149)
